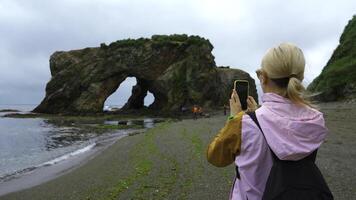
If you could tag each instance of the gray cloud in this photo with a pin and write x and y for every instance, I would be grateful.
(241, 31)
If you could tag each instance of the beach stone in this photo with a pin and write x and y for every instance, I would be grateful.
(179, 70)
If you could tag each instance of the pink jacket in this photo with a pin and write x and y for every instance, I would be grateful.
(292, 132)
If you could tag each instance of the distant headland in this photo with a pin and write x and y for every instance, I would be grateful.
(337, 81)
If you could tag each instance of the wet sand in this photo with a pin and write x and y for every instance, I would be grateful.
(168, 162)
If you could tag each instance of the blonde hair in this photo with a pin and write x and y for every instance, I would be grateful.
(284, 65)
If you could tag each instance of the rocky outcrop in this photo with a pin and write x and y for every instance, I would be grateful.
(337, 81)
(178, 70)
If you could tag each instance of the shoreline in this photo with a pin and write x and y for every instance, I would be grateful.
(168, 162)
(52, 169)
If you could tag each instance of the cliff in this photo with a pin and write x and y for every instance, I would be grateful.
(177, 69)
(337, 80)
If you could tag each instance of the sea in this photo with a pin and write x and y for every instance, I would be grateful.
(29, 143)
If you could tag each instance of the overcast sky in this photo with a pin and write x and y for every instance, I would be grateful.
(241, 32)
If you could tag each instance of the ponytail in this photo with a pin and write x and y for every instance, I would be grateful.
(296, 92)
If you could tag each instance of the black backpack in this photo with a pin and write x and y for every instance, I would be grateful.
(294, 180)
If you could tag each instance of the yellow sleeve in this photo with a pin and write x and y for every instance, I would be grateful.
(227, 143)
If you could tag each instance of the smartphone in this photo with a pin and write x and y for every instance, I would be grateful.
(242, 88)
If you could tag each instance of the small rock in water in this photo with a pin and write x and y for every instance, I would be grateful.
(122, 122)
(9, 110)
(134, 133)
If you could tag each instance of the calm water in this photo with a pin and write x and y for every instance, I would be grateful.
(29, 143)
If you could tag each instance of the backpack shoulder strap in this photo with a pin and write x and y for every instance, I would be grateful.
(254, 118)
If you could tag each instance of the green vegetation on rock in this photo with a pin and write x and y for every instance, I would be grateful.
(196, 40)
(129, 42)
(338, 78)
(160, 39)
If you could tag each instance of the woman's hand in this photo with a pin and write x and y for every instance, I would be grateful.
(235, 104)
(251, 104)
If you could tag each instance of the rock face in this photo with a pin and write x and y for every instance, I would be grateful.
(337, 81)
(178, 70)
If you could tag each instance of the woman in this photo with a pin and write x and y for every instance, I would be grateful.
(292, 128)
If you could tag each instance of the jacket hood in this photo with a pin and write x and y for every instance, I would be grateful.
(292, 131)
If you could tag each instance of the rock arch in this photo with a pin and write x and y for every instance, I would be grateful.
(176, 69)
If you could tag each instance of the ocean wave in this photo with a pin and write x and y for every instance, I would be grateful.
(15, 174)
(69, 155)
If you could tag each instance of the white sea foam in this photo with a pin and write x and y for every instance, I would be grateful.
(69, 155)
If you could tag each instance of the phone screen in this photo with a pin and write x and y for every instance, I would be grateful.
(241, 88)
